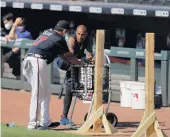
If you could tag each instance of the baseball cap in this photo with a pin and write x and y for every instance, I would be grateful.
(61, 25)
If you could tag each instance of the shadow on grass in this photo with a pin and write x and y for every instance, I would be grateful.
(67, 128)
(123, 125)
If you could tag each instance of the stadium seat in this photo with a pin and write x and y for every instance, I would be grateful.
(135, 1)
(167, 2)
(120, 1)
(99, 0)
(147, 1)
(159, 2)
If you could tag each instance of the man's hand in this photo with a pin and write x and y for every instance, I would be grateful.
(71, 58)
(92, 61)
(83, 63)
(18, 21)
(90, 58)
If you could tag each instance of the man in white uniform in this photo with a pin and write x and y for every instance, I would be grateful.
(45, 49)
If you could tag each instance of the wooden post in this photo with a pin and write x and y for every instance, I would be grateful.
(149, 123)
(97, 117)
(150, 80)
(99, 69)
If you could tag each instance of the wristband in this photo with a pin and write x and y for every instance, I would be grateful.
(85, 60)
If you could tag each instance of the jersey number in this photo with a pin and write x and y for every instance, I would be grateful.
(40, 39)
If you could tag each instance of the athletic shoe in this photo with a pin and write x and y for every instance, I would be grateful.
(52, 125)
(31, 127)
(65, 121)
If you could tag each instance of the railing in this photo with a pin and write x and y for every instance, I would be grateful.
(132, 54)
(135, 54)
(22, 84)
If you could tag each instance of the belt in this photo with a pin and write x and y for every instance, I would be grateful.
(34, 55)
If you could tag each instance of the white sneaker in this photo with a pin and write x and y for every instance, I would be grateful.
(33, 126)
(30, 127)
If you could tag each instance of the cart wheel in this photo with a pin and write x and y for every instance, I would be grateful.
(112, 118)
(85, 117)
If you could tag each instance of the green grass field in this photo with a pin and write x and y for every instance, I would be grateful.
(23, 132)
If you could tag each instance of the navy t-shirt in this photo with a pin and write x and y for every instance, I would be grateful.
(49, 45)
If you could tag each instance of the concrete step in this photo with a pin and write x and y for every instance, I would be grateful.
(115, 87)
(6, 65)
(120, 77)
(9, 75)
(8, 70)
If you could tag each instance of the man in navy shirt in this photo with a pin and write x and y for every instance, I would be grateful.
(45, 49)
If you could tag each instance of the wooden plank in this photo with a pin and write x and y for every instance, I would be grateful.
(99, 70)
(143, 119)
(144, 126)
(149, 124)
(107, 126)
(96, 115)
(164, 134)
(158, 130)
(150, 80)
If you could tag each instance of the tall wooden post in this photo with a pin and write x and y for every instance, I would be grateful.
(149, 79)
(149, 124)
(99, 69)
(98, 117)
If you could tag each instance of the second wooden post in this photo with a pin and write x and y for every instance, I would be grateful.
(99, 69)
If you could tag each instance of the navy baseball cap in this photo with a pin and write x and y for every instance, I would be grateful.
(62, 25)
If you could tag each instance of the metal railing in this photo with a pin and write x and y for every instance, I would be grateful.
(22, 84)
(132, 54)
(135, 54)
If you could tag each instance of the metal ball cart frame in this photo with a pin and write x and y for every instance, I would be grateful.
(82, 84)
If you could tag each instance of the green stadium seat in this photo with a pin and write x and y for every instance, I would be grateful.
(159, 2)
(121, 1)
(135, 1)
(147, 1)
(167, 2)
(99, 0)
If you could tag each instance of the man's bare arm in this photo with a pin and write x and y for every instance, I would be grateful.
(12, 34)
(71, 58)
(89, 49)
(64, 58)
(71, 44)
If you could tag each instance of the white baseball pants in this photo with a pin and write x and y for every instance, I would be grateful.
(35, 71)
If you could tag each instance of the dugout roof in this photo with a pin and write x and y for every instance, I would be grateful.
(153, 9)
